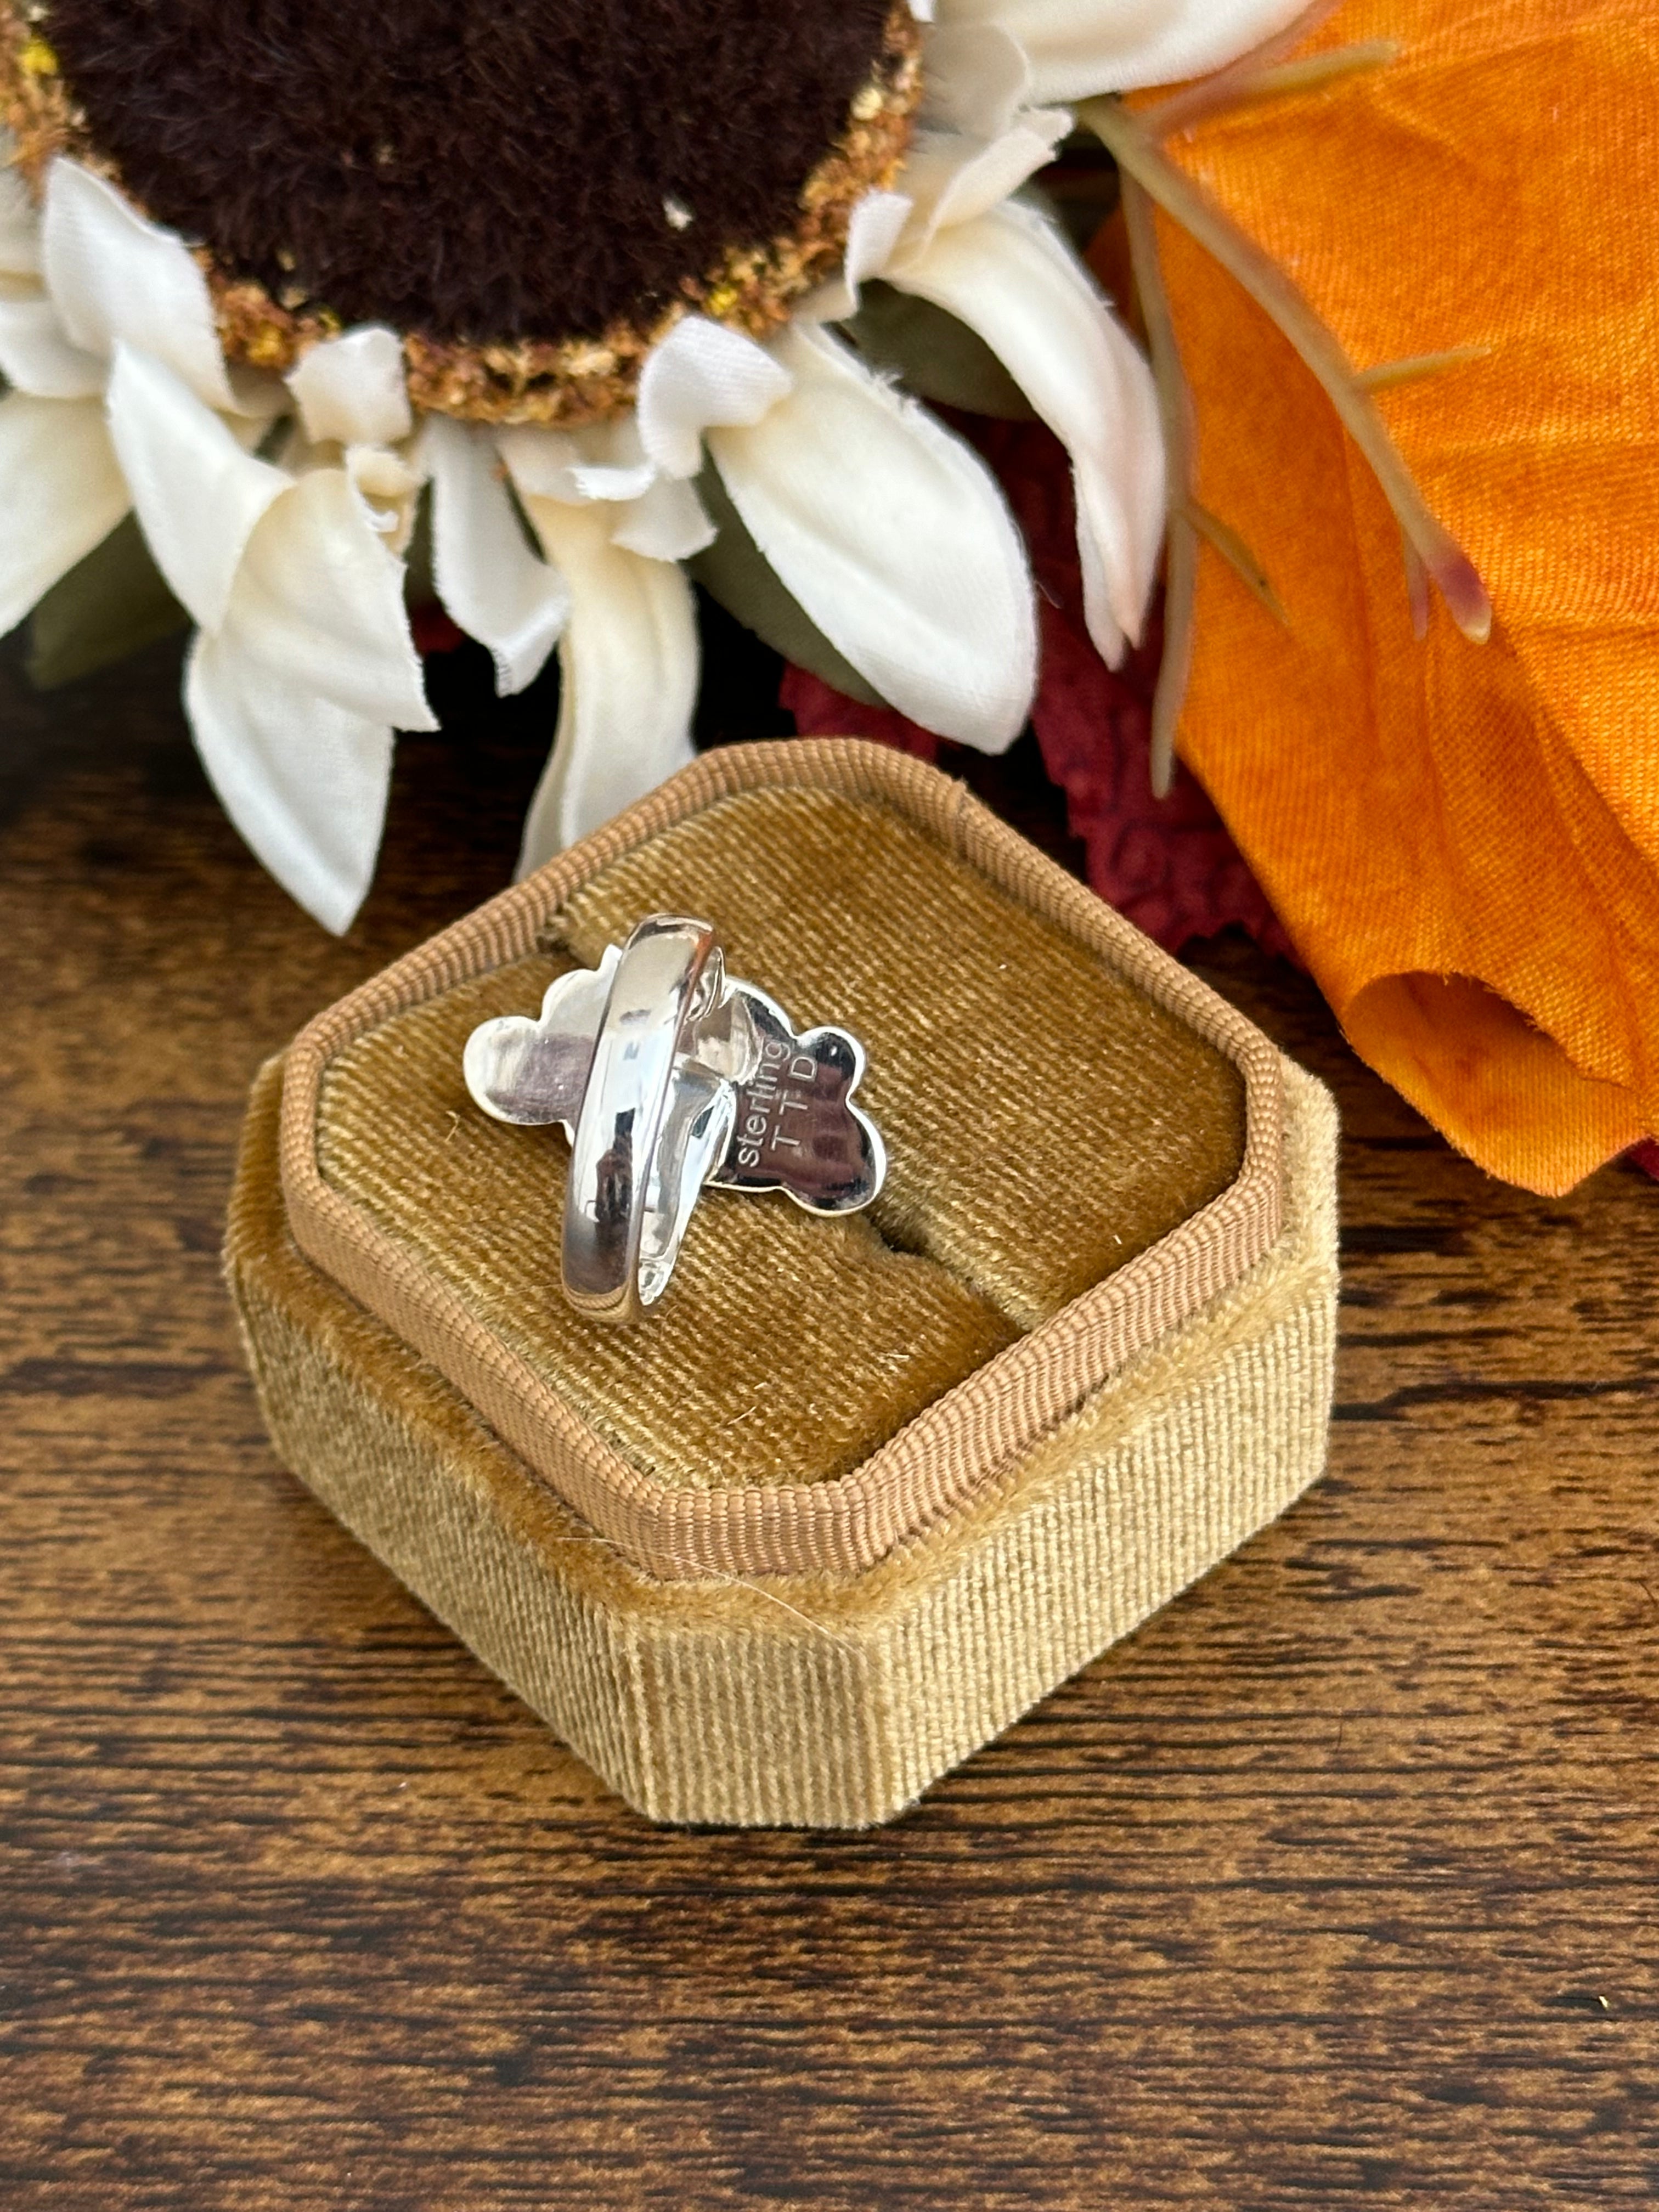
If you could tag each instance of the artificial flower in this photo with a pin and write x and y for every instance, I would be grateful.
(302, 666)
(620, 266)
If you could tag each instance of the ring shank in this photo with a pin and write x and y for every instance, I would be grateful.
(655, 987)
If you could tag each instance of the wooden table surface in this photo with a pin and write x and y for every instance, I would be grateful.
(1335, 1884)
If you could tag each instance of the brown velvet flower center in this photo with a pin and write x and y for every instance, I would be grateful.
(518, 168)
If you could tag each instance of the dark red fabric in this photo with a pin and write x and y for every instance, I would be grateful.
(821, 711)
(1169, 864)
(432, 629)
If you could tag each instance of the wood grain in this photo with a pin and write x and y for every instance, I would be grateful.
(1334, 1885)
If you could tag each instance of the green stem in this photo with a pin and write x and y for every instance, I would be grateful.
(1223, 86)
(1174, 407)
(1279, 82)
(1139, 157)
(1417, 588)
(1237, 555)
(1415, 367)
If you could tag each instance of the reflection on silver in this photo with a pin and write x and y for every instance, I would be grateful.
(668, 1075)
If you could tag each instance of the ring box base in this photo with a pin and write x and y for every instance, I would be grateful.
(792, 1703)
(827, 1691)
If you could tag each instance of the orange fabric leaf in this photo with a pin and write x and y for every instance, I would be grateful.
(1463, 841)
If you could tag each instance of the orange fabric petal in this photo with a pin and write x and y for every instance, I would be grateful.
(1463, 841)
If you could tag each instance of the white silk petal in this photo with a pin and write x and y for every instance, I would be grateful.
(60, 492)
(260, 399)
(949, 179)
(1010, 278)
(352, 390)
(702, 376)
(541, 463)
(976, 80)
(602, 480)
(390, 489)
(668, 523)
(878, 223)
(319, 602)
(1080, 47)
(20, 219)
(36, 356)
(604, 462)
(113, 277)
(629, 663)
(489, 579)
(896, 540)
(199, 496)
(304, 779)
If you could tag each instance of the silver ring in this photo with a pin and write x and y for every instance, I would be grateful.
(653, 994)
(671, 1077)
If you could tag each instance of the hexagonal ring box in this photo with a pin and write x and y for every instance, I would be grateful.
(859, 1491)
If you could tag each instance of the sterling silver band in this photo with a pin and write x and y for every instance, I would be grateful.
(659, 985)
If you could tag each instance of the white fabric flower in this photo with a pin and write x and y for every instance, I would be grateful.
(890, 532)
(291, 566)
(280, 511)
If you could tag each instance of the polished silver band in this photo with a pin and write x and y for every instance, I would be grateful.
(668, 974)
(672, 1076)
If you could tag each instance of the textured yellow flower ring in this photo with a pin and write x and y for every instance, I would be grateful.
(669, 1076)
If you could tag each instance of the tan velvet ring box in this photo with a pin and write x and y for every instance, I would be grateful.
(859, 1492)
